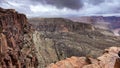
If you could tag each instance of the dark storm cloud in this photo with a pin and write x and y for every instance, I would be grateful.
(71, 4)
(96, 2)
(62, 8)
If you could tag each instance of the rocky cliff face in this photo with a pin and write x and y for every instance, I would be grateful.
(16, 47)
(110, 59)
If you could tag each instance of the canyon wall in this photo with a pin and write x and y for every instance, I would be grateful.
(59, 25)
(16, 47)
(111, 23)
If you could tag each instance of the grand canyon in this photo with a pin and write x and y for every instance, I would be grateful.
(73, 41)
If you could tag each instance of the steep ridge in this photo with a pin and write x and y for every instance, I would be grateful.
(57, 38)
(16, 47)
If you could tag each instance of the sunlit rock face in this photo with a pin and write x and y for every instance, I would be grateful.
(16, 47)
(109, 59)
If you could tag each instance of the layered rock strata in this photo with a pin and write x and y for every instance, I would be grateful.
(16, 47)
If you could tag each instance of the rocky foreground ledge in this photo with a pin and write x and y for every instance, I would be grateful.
(110, 59)
(16, 47)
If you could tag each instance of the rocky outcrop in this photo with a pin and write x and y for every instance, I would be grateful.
(16, 47)
(110, 59)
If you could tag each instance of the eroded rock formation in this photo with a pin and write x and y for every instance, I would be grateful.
(110, 59)
(16, 47)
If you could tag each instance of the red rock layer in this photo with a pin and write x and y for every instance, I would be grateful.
(110, 59)
(15, 48)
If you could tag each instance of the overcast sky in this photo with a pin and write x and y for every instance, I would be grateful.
(64, 8)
